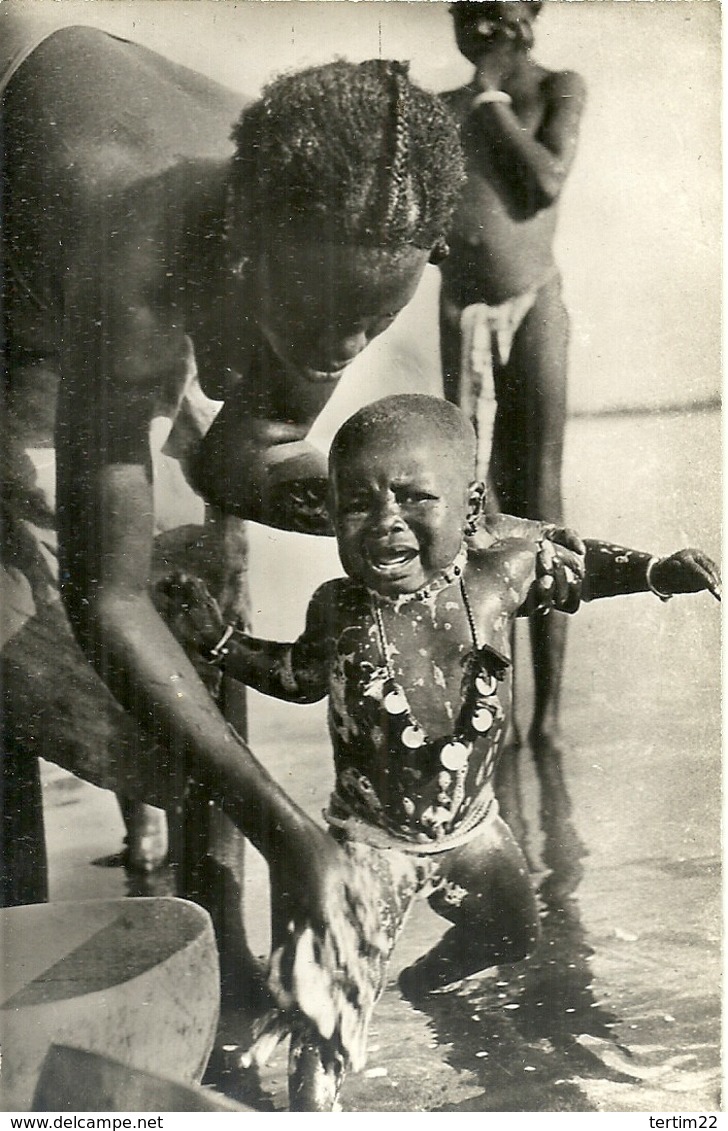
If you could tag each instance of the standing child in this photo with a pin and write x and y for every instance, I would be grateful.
(413, 650)
(503, 323)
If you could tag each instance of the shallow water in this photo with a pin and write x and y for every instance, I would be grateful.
(618, 1009)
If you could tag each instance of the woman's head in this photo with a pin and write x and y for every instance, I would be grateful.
(349, 152)
(344, 181)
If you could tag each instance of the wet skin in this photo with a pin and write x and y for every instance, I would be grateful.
(401, 505)
(119, 233)
(519, 157)
(312, 331)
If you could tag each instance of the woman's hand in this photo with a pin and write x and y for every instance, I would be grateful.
(297, 488)
(330, 949)
(300, 505)
(560, 565)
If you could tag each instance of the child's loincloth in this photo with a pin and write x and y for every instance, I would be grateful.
(487, 334)
(402, 869)
(347, 827)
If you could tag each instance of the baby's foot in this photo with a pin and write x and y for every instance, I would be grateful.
(416, 989)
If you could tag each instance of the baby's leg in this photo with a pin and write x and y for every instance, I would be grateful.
(485, 892)
(316, 1067)
(315, 1072)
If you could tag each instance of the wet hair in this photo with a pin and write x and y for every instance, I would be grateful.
(395, 417)
(353, 152)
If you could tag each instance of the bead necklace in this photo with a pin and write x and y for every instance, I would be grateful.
(433, 587)
(480, 709)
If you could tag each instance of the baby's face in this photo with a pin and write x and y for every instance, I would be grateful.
(400, 509)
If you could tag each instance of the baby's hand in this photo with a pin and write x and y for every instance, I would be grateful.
(191, 612)
(687, 571)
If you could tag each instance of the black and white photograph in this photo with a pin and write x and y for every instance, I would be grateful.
(360, 557)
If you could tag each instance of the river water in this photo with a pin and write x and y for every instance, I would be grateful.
(619, 1008)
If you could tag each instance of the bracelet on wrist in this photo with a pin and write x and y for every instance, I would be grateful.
(217, 654)
(486, 96)
(648, 576)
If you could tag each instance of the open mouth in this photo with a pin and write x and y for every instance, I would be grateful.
(392, 559)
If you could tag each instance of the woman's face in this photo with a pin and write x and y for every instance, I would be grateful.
(322, 303)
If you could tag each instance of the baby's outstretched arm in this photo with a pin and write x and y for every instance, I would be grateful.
(614, 570)
(296, 672)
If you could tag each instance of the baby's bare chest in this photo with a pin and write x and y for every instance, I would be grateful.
(424, 647)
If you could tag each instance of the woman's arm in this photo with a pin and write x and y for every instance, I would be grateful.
(112, 367)
(263, 469)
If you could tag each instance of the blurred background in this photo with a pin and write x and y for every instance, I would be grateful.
(639, 238)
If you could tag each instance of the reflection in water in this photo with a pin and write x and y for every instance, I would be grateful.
(534, 1021)
(536, 1034)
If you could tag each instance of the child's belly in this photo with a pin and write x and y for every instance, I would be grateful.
(496, 254)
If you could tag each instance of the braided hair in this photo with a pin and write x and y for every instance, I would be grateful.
(353, 152)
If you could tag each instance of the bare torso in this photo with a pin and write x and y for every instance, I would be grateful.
(91, 168)
(420, 791)
(502, 236)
